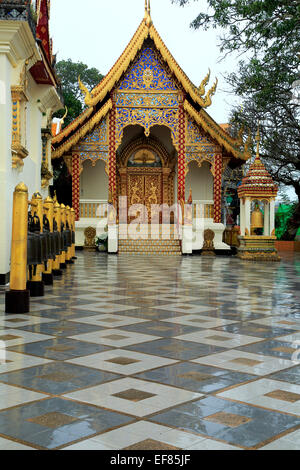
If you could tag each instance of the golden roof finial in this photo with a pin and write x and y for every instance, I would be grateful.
(204, 83)
(258, 141)
(64, 116)
(148, 19)
(85, 91)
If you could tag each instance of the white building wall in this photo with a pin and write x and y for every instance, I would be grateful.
(94, 181)
(5, 163)
(201, 180)
(16, 45)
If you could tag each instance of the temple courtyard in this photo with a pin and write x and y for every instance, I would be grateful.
(164, 353)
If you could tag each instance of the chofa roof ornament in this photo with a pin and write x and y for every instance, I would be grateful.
(258, 181)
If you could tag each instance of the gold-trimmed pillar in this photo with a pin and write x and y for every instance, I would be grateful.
(17, 298)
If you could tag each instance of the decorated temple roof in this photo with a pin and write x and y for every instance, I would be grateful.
(258, 181)
(195, 99)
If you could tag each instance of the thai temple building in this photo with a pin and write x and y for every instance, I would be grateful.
(29, 95)
(146, 139)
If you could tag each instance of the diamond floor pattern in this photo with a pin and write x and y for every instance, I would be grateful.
(141, 353)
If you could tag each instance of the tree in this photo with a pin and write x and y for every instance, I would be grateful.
(266, 34)
(68, 73)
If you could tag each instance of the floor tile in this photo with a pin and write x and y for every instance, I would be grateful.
(13, 396)
(146, 347)
(253, 426)
(62, 328)
(107, 396)
(115, 338)
(216, 338)
(121, 361)
(59, 349)
(248, 363)
(57, 378)
(109, 321)
(196, 377)
(199, 321)
(176, 349)
(56, 422)
(5, 444)
(268, 393)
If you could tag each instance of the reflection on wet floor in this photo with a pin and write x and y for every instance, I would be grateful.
(155, 353)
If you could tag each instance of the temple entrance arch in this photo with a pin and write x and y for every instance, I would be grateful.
(145, 173)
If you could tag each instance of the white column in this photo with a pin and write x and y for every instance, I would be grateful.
(266, 219)
(248, 215)
(242, 217)
(272, 216)
(6, 178)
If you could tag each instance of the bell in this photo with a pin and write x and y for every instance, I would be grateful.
(32, 252)
(257, 218)
(44, 247)
(68, 236)
(50, 239)
(57, 249)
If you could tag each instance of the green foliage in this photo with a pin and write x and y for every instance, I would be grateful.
(283, 216)
(68, 73)
(265, 34)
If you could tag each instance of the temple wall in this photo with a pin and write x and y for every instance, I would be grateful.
(5, 165)
(34, 115)
(201, 181)
(94, 181)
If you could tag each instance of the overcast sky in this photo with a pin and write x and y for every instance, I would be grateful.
(97, 31)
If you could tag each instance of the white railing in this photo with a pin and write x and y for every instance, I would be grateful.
(203, 209)
(93, 208)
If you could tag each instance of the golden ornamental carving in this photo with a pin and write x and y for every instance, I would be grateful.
(144, 156)
(204, 83)
(90, 235)
(151, 145)
(153, 194)
(148, 77)
(135, 199)
(83, 131)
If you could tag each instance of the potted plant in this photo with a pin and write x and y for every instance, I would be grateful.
(102, 242)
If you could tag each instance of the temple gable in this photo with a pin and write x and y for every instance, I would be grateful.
(148, 74)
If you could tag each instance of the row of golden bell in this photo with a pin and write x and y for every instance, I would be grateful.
(42, 246)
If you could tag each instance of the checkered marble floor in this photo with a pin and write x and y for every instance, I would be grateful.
(138, 353)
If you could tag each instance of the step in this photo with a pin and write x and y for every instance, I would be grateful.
(139, 250)
(148, 253)
(149, 243)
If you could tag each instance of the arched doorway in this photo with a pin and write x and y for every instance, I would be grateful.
(146, 178)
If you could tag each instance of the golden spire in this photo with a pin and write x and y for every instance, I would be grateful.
(147, 17)
(257, 158)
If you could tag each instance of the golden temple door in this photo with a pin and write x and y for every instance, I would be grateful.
(144, 186)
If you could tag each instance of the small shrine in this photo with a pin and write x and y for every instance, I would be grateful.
(257, 195)
(146, 138)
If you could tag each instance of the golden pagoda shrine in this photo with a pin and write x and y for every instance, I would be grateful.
(146, 139)
(257, 224)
